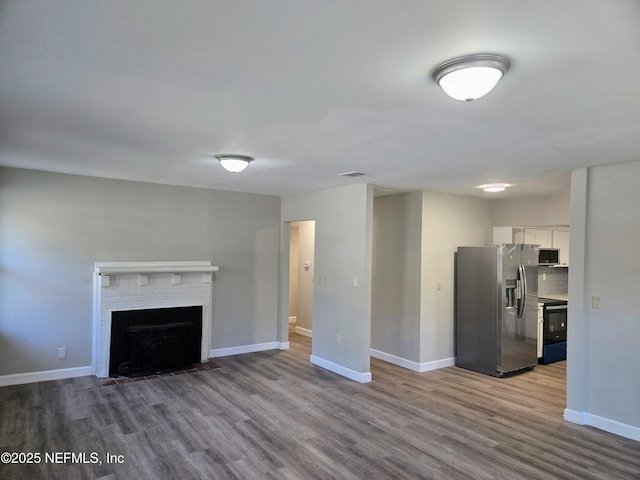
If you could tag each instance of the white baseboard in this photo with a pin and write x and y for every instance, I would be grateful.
(574, 416)
(364, 377)
(303, 331)
(293, 319)
(606, 424)
(257, 347)
(410, 364)
(32, 377)
(436, 364)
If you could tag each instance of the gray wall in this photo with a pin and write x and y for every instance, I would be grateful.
(415, 238)
(532, 211)
(395, 294)
(448, 221)
(54, 227)
(603, 384)
(343, 217)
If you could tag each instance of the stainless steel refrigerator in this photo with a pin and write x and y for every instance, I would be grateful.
(497, 308)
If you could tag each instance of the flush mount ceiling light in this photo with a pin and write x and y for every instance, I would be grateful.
(353, 173)
(471, 77)
(234, 163)
(494, 187)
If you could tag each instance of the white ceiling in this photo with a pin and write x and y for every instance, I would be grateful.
(151, 90)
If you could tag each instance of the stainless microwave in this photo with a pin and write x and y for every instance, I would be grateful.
(549, 256)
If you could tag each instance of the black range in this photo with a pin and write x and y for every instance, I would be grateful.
(554, 329)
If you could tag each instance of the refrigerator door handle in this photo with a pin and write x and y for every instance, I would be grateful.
(523, 286)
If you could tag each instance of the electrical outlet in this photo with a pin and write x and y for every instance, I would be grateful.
(62, 352)
(339, 339)
(595, 302)
(438, 285)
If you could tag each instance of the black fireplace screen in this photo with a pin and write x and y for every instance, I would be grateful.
(153, 341)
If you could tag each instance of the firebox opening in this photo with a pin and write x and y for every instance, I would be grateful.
(154, 341)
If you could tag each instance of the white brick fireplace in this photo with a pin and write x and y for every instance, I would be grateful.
(142, 285)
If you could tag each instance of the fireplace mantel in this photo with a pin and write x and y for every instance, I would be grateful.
(114, 268)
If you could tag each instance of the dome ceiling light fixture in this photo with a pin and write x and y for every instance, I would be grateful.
(494, 187)
(470, 77)
(234, 163)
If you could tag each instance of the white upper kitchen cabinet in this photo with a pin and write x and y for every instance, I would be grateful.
(561, 241)
(507, 235)
(538, 236)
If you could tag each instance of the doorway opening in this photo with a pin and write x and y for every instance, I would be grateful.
(301, 278)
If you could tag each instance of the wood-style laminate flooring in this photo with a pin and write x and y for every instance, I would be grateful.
(274, 415)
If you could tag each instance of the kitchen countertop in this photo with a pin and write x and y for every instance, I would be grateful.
(554, 296)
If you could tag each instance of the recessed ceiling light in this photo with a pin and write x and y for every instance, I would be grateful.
(494, 187)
